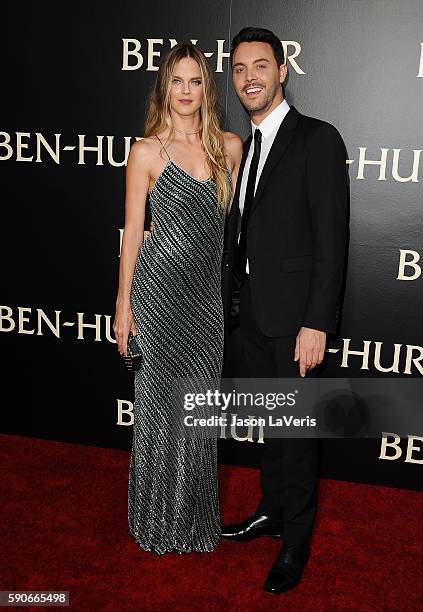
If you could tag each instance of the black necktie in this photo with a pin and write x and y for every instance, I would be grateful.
(248, 202)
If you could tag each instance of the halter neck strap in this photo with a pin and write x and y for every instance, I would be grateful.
(163, 147)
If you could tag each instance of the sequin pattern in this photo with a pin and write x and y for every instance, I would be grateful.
(176, 302)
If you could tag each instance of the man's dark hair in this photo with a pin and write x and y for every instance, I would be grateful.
(259, 35)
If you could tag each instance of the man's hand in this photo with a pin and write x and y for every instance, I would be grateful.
(309, 348)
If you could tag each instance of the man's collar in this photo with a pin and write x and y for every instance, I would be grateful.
(273, 120)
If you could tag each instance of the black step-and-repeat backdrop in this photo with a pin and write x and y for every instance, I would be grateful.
(75, 77)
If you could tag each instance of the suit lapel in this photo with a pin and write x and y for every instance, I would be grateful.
(283, 137)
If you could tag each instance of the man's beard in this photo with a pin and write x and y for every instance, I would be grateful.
(258, 106)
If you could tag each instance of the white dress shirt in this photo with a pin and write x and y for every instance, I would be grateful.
(268, 128)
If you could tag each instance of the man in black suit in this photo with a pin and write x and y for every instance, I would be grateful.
(285, 247)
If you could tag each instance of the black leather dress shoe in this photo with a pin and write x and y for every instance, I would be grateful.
(287, 570)
(255, 526)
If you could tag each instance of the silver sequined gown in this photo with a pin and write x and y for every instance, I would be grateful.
(176, 302)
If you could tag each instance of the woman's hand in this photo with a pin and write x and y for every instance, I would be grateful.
(148, 233)
(122, 325)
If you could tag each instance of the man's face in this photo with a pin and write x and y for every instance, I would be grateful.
(256, 77)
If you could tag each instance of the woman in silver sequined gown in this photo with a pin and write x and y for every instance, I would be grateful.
(177, 310)
(176, 302)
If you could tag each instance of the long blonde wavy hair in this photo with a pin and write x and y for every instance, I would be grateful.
(158, 116)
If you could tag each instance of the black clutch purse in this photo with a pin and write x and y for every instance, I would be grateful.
(134, 358)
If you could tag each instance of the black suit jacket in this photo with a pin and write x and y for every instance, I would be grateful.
(297, 232)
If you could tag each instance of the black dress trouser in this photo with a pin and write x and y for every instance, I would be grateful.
(289, 466)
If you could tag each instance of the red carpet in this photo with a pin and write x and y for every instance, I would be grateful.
(64, 527)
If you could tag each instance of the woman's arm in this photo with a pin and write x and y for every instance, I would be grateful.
(233, 153)
(136, 189)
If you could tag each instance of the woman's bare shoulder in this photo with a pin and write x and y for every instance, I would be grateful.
(145, 146)
(233, 146)
(145, 151)
(232, 139)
